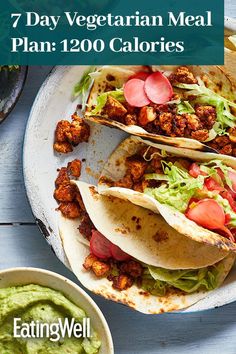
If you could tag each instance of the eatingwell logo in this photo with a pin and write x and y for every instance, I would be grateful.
(54, 331)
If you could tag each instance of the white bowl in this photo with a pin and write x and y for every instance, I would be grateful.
(26, 275)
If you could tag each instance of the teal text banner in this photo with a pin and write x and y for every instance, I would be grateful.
(93, 32)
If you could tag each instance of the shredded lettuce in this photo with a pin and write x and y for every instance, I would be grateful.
(156, 176)
(102, 99)
(211, 169)
(185, 107)
(81, 88)
(227, 209)
(161, 153)
(179, 189)
(176, 101)
(205, 95)
(158, 280)
(153, 286)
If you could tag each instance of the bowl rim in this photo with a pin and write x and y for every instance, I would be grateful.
(23, 74)
(79, 290)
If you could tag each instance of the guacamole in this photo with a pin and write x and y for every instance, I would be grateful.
(34, 304)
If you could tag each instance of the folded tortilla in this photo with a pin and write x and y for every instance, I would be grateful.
(168, 249)
(115, 169)
(215, 78)
(144, 234)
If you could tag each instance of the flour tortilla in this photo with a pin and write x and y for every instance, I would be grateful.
(77, 248)
(115, 169)
(145, 235)
(214, 78)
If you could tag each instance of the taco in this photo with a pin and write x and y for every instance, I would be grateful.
(130, 255)
(192, 107)
(195, 192)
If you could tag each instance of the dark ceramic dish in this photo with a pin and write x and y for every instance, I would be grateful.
(11, 86)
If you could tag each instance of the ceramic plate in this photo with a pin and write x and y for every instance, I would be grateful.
(52, 104)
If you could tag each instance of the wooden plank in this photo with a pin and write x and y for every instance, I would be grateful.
(230, 8)
(14, 205)
(210, 332)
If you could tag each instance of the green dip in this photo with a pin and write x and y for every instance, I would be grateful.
(40, 305)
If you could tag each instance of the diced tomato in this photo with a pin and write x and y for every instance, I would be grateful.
(227, 195)
(194, 200)
(118, 254)
(212, 185)
(227, 219)
(100, 246)
(194, 170)
(231, 192)
(220, 173)
(142, 75)
(232, 177)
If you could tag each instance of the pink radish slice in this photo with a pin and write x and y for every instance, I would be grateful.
(118, 254)
(100, 246)
(158, 88)
(209, 214)
(142, 75)
(134, 93)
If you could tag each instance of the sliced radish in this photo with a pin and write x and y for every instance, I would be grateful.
(118, 254)
(100, 246)
(142, 75)
(209, 214)
(134, 93)
(158, 88)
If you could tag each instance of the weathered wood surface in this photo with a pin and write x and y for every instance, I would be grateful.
(14, 205)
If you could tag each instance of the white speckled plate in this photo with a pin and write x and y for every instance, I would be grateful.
(52, 104)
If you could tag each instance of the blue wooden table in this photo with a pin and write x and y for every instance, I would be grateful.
(21, 244)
